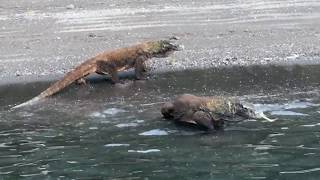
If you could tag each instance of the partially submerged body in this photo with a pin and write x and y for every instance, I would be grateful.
(208, 112)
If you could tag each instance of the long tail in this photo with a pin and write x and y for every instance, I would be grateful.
(81, 71)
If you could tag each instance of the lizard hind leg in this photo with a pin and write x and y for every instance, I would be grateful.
(108, 68)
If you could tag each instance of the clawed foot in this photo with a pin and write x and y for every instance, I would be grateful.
(142, 78)
(81, 81)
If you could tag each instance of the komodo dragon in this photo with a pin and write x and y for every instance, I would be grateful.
(110, 62)
(208, 112)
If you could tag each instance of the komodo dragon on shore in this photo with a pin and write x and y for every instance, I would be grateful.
(110, 62)
(208, 112)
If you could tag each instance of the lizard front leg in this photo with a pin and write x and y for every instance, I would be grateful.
(203, 119)
(140, 67)
(114, 76)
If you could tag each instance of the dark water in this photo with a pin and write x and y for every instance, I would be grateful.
(102, 131)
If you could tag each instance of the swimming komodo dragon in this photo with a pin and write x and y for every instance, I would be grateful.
(208, 112)
(110, 62)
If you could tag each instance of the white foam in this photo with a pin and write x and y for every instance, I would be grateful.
(154, 132)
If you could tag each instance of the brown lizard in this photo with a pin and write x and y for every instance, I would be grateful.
(110, 62)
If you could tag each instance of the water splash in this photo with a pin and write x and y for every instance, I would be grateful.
(287, 113)
(285, 109)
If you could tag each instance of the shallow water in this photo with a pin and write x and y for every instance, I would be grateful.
(116, 132)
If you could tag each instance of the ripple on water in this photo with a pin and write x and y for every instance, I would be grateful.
(262, 146)
(276, 134)
(123, 125)
(72, 162)
(4, 145)
(300, 171)
(116, 145)
(6, 173)
(144, 151)
(113, 111)
(107, 112)
(25, 114)
(97, 115)
(311, 125)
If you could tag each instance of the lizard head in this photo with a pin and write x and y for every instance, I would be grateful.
(245, 110)
(161, 48)
(167, 110)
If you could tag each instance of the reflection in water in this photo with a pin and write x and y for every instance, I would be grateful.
(105, 131)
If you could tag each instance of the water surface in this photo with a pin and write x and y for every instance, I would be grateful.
(116, 132)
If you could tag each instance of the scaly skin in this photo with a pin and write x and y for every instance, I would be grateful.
(207, 112)
(110, 62)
